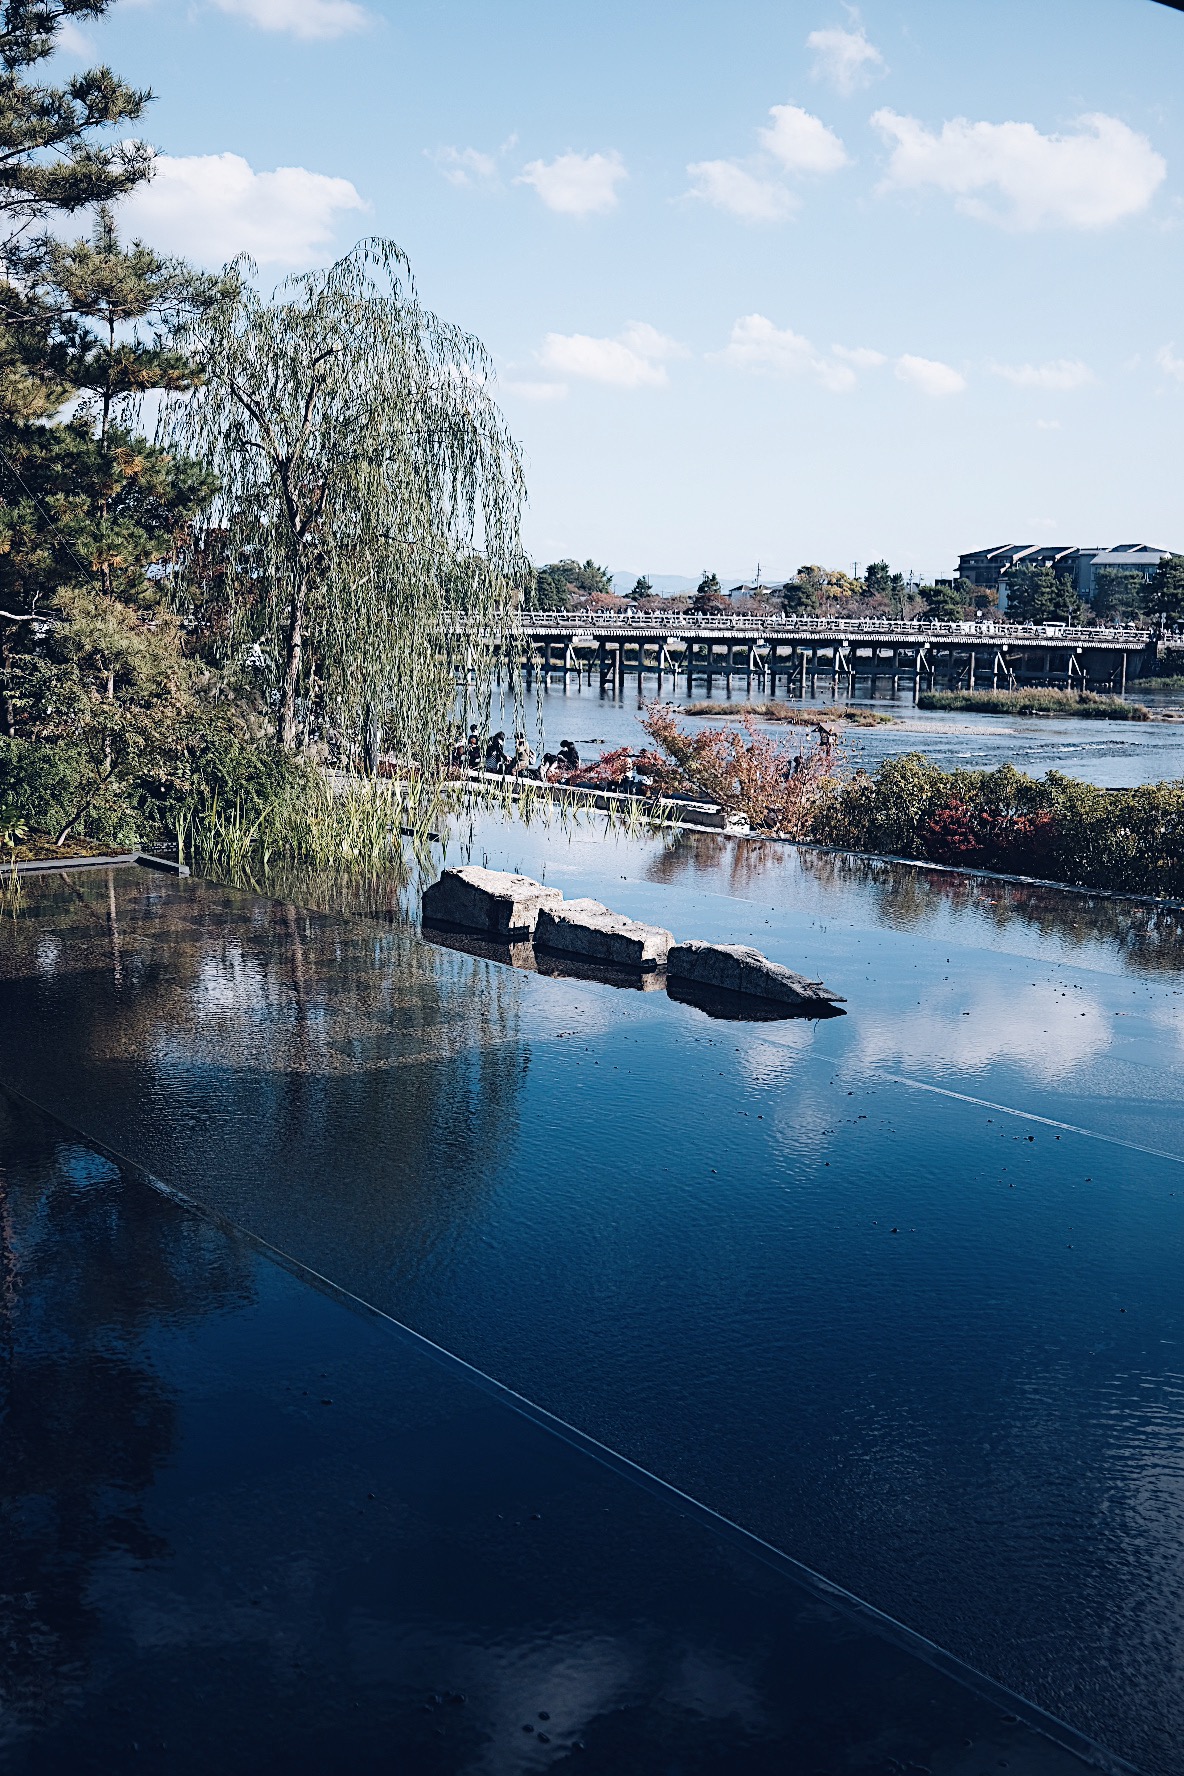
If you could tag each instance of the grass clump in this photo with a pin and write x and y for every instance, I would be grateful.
(1087, 704)
(794, 713)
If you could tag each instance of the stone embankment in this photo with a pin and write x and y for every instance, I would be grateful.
(505, 910)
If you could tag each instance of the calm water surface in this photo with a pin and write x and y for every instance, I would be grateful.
(900, 1291)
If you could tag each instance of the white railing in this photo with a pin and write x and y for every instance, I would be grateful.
(883, 630)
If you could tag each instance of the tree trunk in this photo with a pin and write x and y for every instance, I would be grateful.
(7, 723)
(293, 658)
(371, 742)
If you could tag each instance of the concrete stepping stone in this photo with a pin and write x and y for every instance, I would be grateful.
(587, 929)
(735, 968)
(492, 901)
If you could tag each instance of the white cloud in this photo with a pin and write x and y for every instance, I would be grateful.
(212, 206)
(860, 357)
(756, 344)
(844, 58)
(72, 42)
(801, 142)
(795, 142)
(577, 184)
(1048, 425)
(1101, 173)
(930, 376)
(312, 20)
(1167, 360)
(465, 166)
(729, 186)
(534, 391)
(636, 358)
(1056, 377)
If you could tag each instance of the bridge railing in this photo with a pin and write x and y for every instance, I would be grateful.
(883, 630)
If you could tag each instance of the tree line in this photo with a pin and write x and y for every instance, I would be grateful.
(1034, 594)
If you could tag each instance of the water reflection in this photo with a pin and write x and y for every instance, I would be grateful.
(881, 1325)
(258, 1027)
(88, 1423)
(901, 897)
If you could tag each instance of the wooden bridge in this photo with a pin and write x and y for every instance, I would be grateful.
(797, 652)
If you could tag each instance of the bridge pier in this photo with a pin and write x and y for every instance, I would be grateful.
(790, 657)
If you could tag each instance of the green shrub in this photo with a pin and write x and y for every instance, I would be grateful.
(47, 783)
(1127, 841)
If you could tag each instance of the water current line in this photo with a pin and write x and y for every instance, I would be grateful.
(1030, 1116)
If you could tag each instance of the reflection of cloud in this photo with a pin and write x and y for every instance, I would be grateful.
(770, 1059)
(1048, 1039)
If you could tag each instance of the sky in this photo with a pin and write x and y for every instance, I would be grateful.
(787, 283)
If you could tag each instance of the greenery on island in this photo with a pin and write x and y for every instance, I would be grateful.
(793, 713)
(778, 788)
(1086, 704)
(1055, 828)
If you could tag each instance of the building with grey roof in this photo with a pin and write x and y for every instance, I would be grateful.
(989, 567)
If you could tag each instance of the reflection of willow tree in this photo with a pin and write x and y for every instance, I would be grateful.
(1146, 937)
(335, 1084)
(92, 1270)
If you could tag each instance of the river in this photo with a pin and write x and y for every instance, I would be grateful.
(899, 1291)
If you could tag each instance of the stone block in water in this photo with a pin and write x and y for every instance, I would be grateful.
(589, 930)
(735, 968)
(492, 901)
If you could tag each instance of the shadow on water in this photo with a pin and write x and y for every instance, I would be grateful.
(745, 1008)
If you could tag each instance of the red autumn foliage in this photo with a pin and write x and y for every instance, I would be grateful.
(744, 771)
(1016, 844)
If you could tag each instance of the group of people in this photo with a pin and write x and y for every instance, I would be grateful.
(489, 754)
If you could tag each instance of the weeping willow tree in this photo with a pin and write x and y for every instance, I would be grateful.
(366, 532)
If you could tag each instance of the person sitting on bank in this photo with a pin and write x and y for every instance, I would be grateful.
(473, 749)
(523, 757)
(496, 758)
(569, 758)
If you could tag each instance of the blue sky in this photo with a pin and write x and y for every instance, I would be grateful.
(792, 282)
